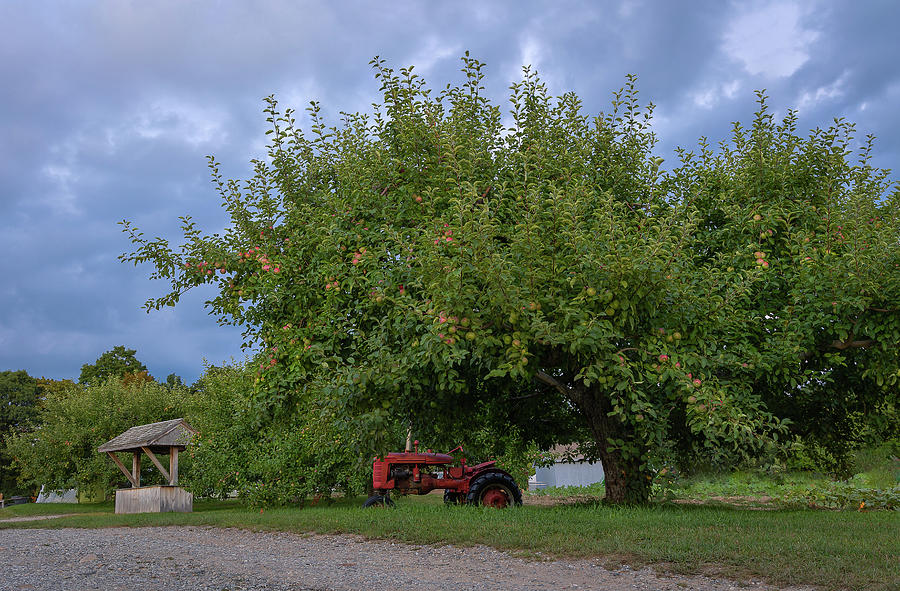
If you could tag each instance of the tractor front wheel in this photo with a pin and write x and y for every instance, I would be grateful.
(453, 498)
(494, 489)
(380, 501)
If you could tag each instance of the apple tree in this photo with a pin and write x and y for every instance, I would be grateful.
(816, 332)
(428, 258)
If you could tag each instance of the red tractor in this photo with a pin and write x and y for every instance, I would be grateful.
(411, 472)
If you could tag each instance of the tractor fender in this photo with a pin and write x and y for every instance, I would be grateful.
(482, 468)
(483, 465)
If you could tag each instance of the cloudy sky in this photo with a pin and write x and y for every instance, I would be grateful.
(108, 109)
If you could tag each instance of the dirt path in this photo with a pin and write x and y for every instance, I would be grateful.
(207, 559)
(37, 517)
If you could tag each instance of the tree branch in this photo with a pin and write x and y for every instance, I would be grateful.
(840, 346)
(525, 397)
(850, 344)
(551, 381)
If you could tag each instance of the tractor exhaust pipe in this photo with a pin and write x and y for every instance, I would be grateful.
(409, 440)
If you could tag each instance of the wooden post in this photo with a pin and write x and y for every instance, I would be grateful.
(156, 461)
(122, 467)
(173, 465)
(136, 469)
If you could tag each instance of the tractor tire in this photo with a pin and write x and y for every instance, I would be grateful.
(453, 498)
(494, 489)
(379, 501)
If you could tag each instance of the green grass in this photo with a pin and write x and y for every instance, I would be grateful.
(596, 490)
(875, 486)
(835, 550)
(879, 466)
(744, 484)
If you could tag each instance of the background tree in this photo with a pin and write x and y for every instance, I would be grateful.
(61, 451)
(302, 454)
(19, 405)
(426, 261)
(50, 386)
(118, 361)
(174, 381)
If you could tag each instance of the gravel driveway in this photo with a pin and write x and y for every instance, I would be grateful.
(205, 558)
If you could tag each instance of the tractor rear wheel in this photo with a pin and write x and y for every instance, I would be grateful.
(494, 489)
(380, 501)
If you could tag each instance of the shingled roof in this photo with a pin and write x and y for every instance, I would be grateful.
(159, 437)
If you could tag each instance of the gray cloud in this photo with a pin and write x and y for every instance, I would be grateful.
(109, 109)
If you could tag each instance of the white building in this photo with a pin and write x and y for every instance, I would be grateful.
(571, 469)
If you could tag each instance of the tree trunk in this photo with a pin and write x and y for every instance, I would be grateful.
(628, 480)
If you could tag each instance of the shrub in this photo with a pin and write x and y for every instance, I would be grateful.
(268, 461)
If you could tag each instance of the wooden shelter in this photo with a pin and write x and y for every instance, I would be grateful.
(165, 437)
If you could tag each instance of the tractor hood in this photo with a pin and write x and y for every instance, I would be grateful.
(418, 458)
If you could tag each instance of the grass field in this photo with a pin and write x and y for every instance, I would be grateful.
(831, 549)
(738, 525)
